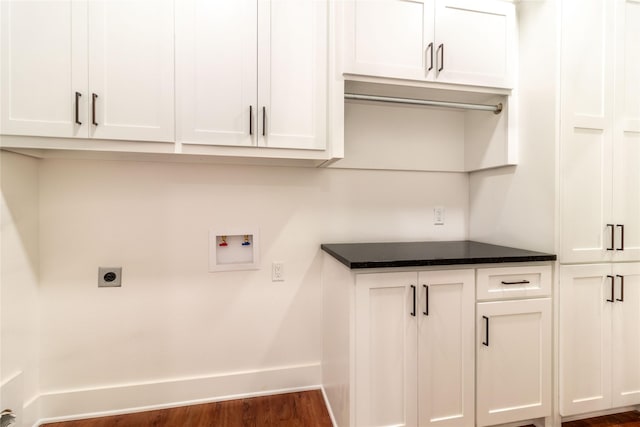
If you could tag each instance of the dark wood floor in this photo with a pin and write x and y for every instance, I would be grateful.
(302, 409)
(624, 419)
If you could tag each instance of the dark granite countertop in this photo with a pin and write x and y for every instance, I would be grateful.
(416, 254)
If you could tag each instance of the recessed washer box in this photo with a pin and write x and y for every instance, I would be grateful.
(234, 249)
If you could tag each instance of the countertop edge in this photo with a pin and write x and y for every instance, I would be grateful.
(363, 265)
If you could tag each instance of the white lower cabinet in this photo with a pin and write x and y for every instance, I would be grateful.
(513, 360)
(404, 348)
(599, 337)
(513, 344)
(414, 349)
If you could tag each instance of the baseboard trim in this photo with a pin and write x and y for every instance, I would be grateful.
(70, 405)
(600, 413)
(326, 403)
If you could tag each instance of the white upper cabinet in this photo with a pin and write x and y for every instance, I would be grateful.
(38, 51)
(131, 69)
(600, 131)
(252, 73)
(216, 63)
(84, 69)
(449, 41)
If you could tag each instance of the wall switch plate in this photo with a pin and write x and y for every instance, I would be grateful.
(438, 215)
(277, 272)
(109, 277)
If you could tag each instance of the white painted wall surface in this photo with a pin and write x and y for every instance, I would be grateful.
(175, 332)
(515, 206)
(19, 260)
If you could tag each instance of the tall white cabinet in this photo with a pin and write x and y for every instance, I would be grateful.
(600, 133)
(252, 73)
(600, 206)
(88, 69)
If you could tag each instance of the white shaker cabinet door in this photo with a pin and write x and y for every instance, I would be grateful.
(587, 135)
(131, 65)
(626, 335)
(385, 347)
(43, 55)
(390, 38)
(216, 72)
(513, 360)
(475, 42)
(587, 297)
(446, 349)
(626, 148)
(292, 73)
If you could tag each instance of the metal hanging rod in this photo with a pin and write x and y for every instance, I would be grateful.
(497, 109)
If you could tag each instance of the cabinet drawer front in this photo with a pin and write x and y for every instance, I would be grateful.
(513, 282)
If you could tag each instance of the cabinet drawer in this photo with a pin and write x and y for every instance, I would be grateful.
(513, 282)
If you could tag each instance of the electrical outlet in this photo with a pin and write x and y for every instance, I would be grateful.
(109, 277)
(438, 215)
(277, 272)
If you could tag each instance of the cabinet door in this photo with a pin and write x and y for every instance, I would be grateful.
(131, 69)
(586, 132)
(626, 335)
(513, 360)
(475, 42)
(292, 73)
(216, 72)
(385, 347)
(586, 296)
(626, 149)
(43, 55)
(390, 38)
(446, 349)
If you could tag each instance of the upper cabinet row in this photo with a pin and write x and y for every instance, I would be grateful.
(237, 73)
(88, 69)
(447, 41)
(234, 74)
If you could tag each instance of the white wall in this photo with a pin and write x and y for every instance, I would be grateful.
(516, 206)
(174, 321)
(19, 260)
